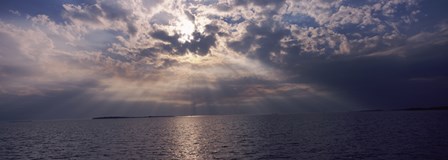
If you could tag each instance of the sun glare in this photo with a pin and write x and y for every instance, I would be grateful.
(186, 29)
(194, 59)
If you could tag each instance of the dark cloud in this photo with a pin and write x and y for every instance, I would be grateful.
(162, 18)
(200, 44)
(266, 37)
(260, 2)
(114, 11)
(209, 28)
(410, 75)
(75, 104)
(190, 16)
(392, 81)
(110, 11)
(164, 36)
(55, 104)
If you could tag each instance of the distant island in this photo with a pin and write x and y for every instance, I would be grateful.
(373, 110)
(410, 109)
(122, 117)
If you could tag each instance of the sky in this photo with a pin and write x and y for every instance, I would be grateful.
(74, 59)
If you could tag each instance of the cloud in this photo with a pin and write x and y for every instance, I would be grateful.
(206, 54)
(141, 36)
(384, 81)
(15, 12)
(200, 44)
(420, 41)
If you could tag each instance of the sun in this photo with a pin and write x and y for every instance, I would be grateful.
(185, 28)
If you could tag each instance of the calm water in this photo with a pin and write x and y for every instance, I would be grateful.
(373, 135)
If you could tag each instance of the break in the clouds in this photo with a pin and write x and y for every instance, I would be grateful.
(84, 58)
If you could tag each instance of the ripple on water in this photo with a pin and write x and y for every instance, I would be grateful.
(389, 135)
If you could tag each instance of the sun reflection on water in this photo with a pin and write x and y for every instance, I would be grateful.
(188, 138)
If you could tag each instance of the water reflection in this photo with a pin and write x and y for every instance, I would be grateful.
(187, 138)
(209, 138)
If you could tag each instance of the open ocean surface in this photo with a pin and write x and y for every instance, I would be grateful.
(358, 135)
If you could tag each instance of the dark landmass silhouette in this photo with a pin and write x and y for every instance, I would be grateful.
(373, 110)
(122, 117)
(409, 109)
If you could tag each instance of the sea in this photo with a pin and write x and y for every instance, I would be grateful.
(391, 135)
